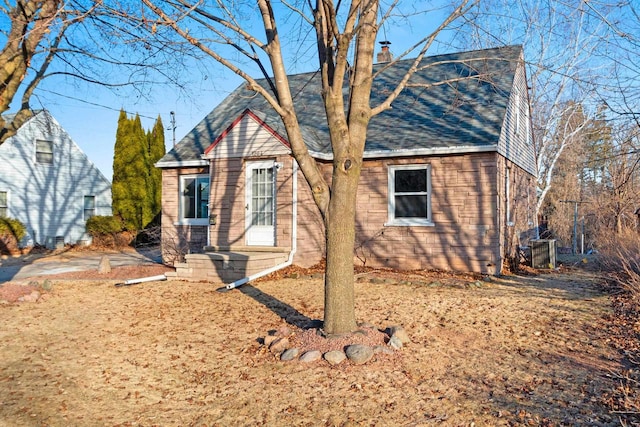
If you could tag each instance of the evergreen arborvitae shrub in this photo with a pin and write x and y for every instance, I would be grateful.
(129, 184)
(136, 185)
(156, 152)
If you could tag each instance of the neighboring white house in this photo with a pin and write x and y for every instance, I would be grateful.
(49, 184)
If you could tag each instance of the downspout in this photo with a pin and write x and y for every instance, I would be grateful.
(294, 236)
(209, 204)
(158, 278)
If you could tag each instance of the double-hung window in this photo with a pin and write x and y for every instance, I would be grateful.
(409, 195)
(4, 204)
(44, 152)
(194, 200)
(507, 195)
(89, 207)
(517, 111)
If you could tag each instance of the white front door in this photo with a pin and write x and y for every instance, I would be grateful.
(260, 203)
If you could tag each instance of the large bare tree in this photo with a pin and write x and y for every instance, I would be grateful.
(30, 25)
(75, 41)
(345, 37)
(572, 51)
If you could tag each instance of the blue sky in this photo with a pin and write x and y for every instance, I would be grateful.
(90, 113)
(91, 117)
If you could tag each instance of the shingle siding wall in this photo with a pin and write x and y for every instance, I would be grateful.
(464, 234)
(178, 239)
(516, 140)
(468, 207)
(227, 202)
(311, 237)
(468, 199)
(520, 227)
(49, 199)
(247, 138)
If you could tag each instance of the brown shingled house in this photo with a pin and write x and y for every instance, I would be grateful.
(448, 180)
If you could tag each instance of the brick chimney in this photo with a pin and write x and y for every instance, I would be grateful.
(385, 54)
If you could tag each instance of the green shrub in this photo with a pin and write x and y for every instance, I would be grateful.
(12, 227)
(103, 225)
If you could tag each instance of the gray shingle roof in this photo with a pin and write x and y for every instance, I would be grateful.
(467, 113)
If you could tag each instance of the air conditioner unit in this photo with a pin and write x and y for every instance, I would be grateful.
(543, 253)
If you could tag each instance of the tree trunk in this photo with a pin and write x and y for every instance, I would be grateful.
(339, 302)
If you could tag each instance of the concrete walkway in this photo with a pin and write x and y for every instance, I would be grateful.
(30, 265)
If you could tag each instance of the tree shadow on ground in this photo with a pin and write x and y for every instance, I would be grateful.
(573, 281)
(282, 309)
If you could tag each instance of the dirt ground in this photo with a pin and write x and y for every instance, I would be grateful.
(518, 350)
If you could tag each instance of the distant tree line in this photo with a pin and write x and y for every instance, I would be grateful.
(600, 172)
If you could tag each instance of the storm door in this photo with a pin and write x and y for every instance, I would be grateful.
(260, 203)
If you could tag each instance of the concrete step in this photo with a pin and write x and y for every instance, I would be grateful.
(226, 267)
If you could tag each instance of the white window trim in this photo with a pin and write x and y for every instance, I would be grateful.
(35, 152)
(518, 112)
(190, 221)
(507, 191)
(391, 200)
(84, 209)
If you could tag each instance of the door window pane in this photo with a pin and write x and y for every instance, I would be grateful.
(262, 196)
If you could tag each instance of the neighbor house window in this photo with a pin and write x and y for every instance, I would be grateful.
(409, 195)
(44, 152)
(89, 207)
(194, 202)
(4, 204)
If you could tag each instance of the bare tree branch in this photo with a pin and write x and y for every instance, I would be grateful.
(426, 44)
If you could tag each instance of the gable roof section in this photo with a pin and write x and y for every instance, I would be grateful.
(454, 103)
(247, 135)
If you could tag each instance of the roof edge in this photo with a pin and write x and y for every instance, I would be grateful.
(179, 164)
(376, 154)
(379, 154)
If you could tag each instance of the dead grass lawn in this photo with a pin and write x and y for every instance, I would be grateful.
(516, 351)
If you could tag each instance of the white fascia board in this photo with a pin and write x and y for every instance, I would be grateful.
(181, 164)
(377, 154)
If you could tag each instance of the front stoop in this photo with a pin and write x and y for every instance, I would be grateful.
(227, 266)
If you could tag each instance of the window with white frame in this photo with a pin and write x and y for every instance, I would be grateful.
(507, 195)
(4, 204)
(194, 200)
(89, 207)
(409, 195)
(44, 152)
(517, 111)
